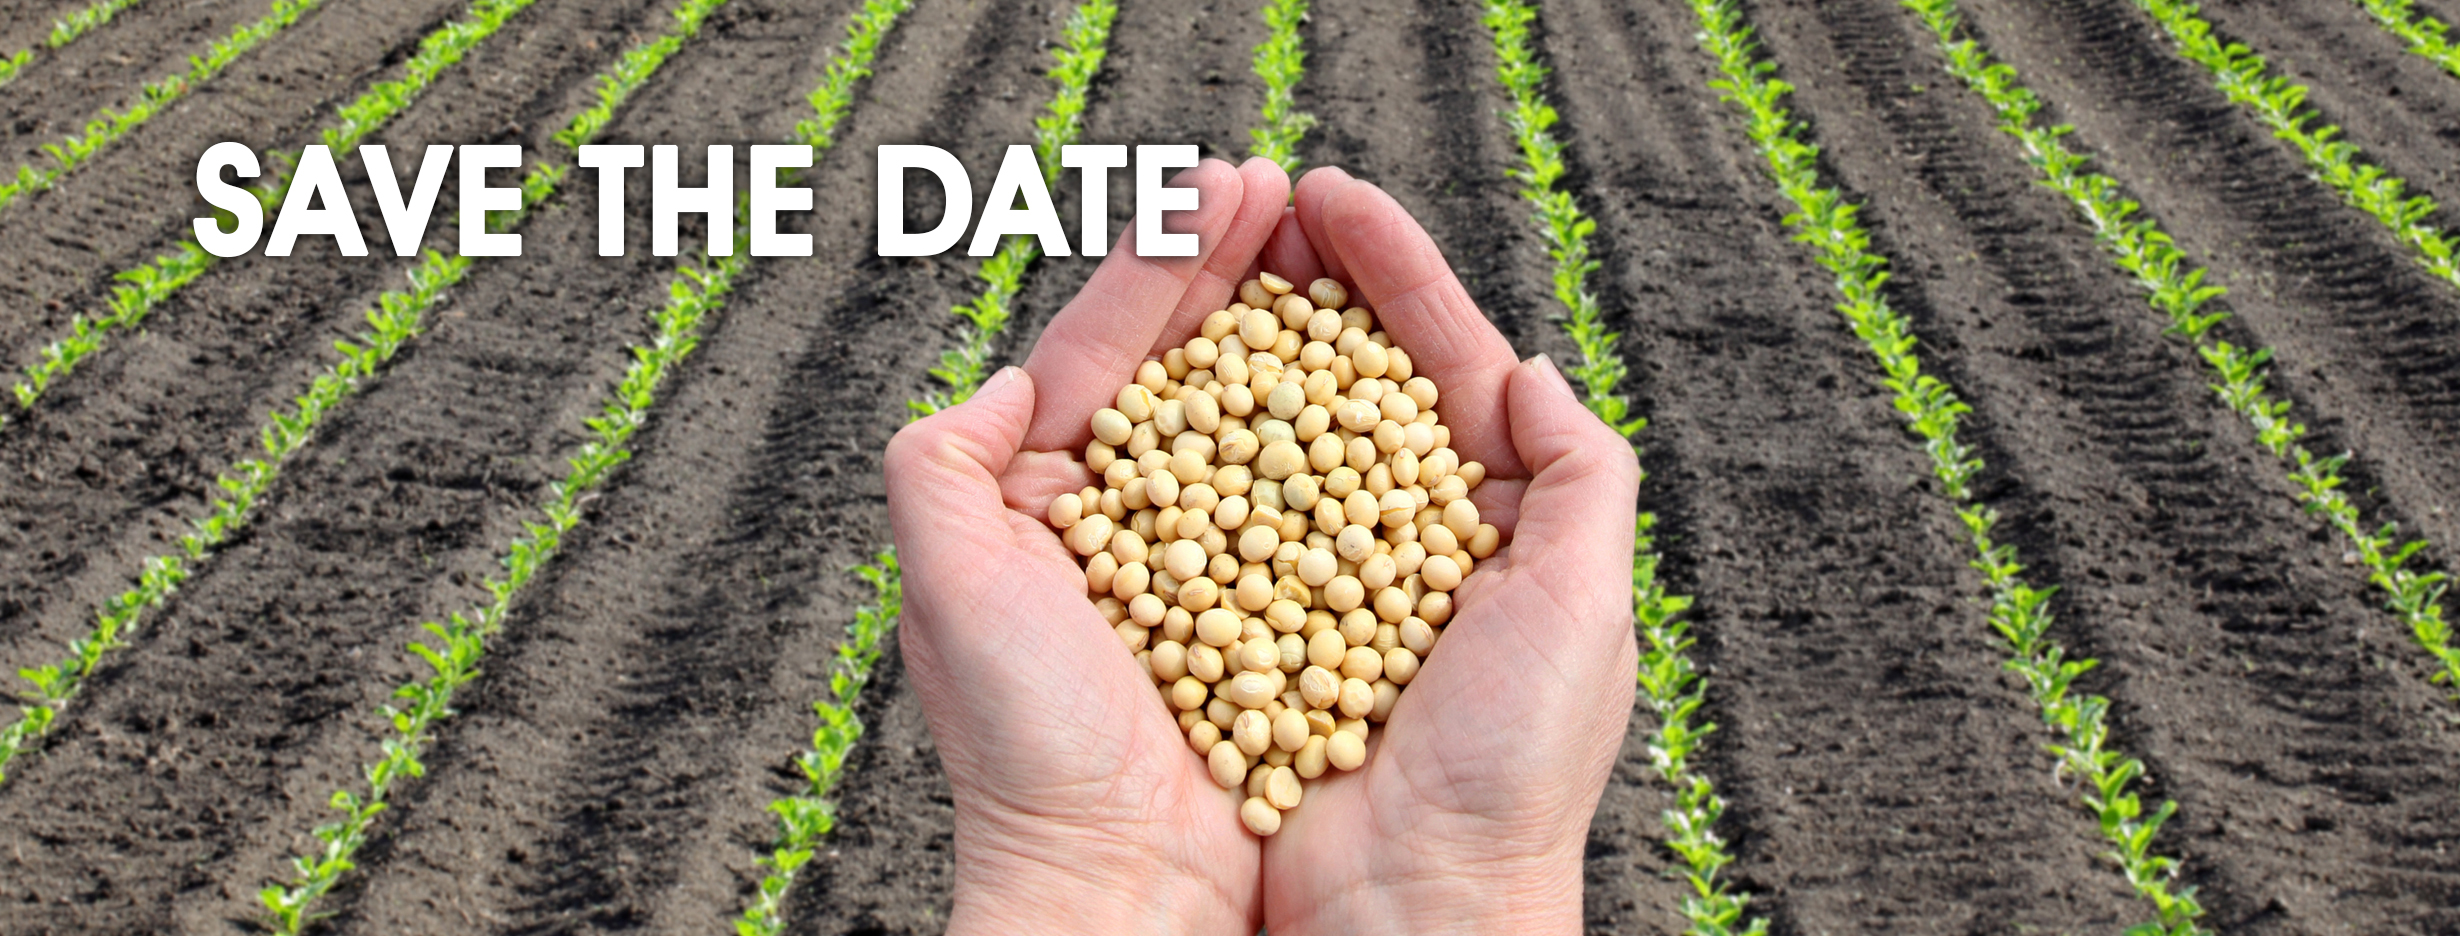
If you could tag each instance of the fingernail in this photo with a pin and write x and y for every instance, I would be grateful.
(999, 381)
(1546, 366)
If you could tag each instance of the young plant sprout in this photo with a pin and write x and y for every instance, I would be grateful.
(1669, 683)
(65, 31)
(150, 284)
(1279, 530)
(1281, 60)
(2174, 285)
(2243, 76)
(2019, 612)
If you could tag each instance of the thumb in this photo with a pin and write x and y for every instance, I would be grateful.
(943, 472)
(1575, 522)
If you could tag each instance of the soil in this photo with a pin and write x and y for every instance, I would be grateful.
(608, 773)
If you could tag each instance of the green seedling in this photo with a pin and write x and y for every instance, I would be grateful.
(1669, 683)
(2280, 105)
(148, 285)
(2019, 611)
(2424, 35)
(418, 706)
(109, 126)
(1281, 60)
(804, 818)
(1078, 58)
(65, 31)
(2174, 286)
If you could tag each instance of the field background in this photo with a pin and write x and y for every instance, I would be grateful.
(609, 772)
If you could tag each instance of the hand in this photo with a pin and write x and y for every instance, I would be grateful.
(1079, 804)
(1079, 807)
(1472, 811)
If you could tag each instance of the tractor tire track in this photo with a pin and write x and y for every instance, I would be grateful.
(2217, 606)
(198, 761)
(109, 469)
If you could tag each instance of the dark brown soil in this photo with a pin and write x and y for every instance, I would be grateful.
(1884, 773)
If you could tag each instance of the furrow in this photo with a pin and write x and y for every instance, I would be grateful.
(148, 285)
(2019, 612)
(1670, 681)
(64, 31)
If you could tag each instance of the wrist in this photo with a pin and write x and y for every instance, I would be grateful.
(1080, 883)
(1519, 895)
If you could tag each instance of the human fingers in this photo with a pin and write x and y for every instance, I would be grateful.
(1392, 262)
(1288, 253)
(1262, 202)
(1094, 344)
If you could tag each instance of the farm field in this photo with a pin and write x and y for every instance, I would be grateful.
(647, 689)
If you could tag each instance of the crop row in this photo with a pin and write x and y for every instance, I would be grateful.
(1281, 62)
(2174, 286)
(148, 284)
(65, 31)
(2019, 612)
(806, 817)
(108, 127)
(396, 320)
(2426, 36)
(1670, 683)
(2280, 105)
(1085, 42)
(462, 639)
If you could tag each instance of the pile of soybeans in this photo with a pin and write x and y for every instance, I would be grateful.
(1279, 530)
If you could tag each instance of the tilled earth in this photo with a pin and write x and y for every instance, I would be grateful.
(609, 771)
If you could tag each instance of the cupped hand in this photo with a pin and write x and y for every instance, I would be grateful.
(1079, 803)
(1472, 811)
(1079, 806)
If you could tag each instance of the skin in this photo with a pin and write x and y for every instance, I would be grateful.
(1078, 804)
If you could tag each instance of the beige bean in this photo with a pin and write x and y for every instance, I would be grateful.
(1206, 663)
(1090, 536)
(1400, 366)
(1484, 543)
(1289, 730)
(1260, 816)
(1199, 594)
(1184, 559)
(1066, 510)
(1275, 757)
(1343, 751)
(1417, 635)
(1236, 399)
(1318, 686)
(1442, 574)
(1461, 517)
(1387, 636)
(1228, 768)
(1285, 616)
(1147, 609)
(1112, 427)
(1370, 359)
(1344, 593)
(1201, 736)
(1439, 540)
(1317, 567)
(1249, 689)
(1259, 655)
(1220, 712)
(1188, 692)
(1354, 544)
(1399, 407)
(1357, 627)
(1101, 571)
(1354, 415)
(1178, 625)
(1169, 662)
(1256, 543)
(1436, 607)
(1400, 665)
(1136, 402)
(1320, 722)
(1203, 414)
(1357, 697)
(1252, 732)
(1216, 627)
(1231, 513)
(1310, 763)
(1293, 311)
(1327, 292)
(1376, 573)
(1293, 649)
(1254, 592)
(1472, 474)
(1282, 459)
(1282, 788)
(1386, 694)
(1361, 663)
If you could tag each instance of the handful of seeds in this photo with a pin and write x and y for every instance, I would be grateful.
(1280, 527)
